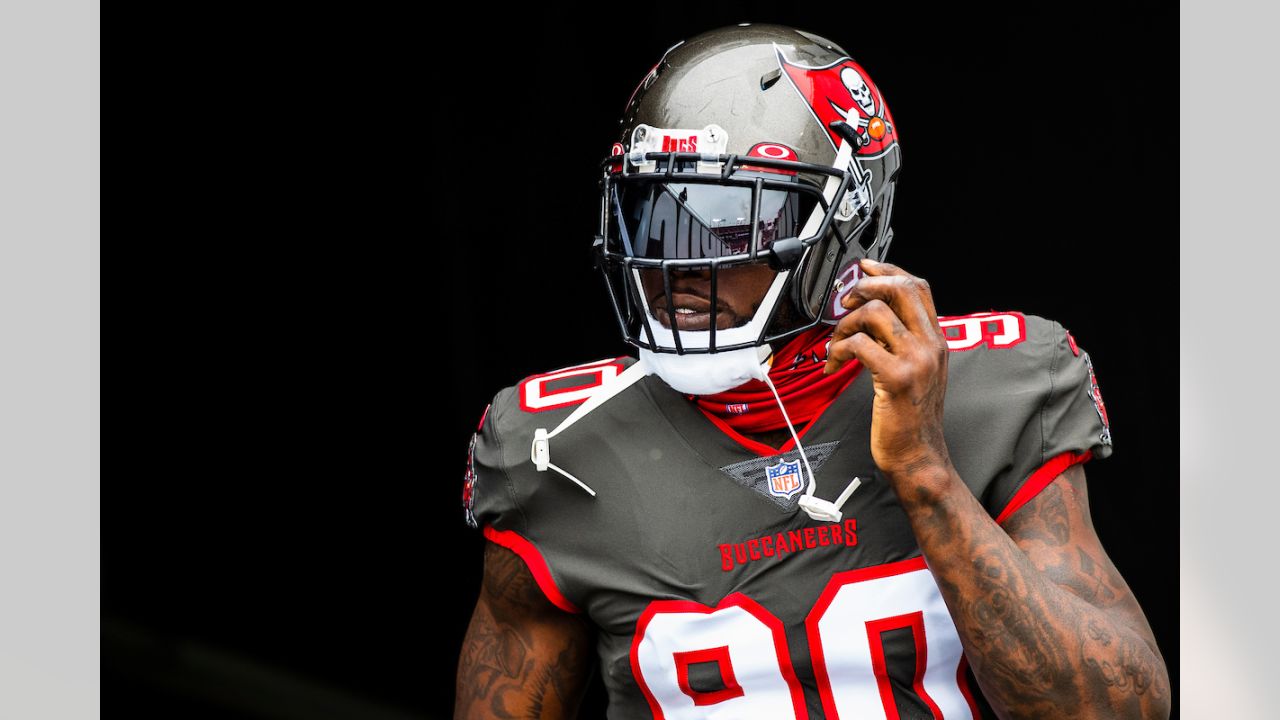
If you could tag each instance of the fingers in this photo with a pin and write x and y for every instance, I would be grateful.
(892, 321)
(860, 346)
(874, 319)
(908, 295)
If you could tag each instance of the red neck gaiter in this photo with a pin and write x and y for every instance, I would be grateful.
(797, 374)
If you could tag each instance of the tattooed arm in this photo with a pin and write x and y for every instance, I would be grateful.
(1056, 532)
(522, 656)
(1048, 625)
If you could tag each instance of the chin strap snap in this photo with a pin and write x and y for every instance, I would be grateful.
(816, 507)
(825, 510)
(541, 456)
(540, 451)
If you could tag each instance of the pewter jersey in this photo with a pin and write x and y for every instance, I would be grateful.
(714, 595)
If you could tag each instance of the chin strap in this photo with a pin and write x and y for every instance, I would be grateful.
(540, 452)
(816, 507)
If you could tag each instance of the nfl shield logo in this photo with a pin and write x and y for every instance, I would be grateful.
(783, 478)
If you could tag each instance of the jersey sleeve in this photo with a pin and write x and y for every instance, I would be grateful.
(489, 499)
(1070, 427)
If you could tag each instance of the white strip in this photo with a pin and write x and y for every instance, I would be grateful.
(813, 481)
(815, 507)
(844, 496)
(600, 396)
(581, 484)
(843, 157)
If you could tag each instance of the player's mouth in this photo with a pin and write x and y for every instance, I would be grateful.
(693, 312)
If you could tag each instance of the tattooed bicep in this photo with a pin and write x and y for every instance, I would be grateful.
(508, 586)
(1050, 517)
(522, 657)
(1056, 532)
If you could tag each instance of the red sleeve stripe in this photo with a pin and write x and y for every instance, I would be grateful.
(537, 566)
(1041, 479)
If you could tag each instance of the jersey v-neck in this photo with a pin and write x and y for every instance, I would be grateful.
(851, 404)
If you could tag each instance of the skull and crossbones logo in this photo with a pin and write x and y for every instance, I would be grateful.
(870, 126)
(858, 90)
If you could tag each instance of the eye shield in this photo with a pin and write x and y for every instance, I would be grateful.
(699, 211)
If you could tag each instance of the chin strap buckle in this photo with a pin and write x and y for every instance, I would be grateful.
(825, 510)
(540, 454)
(819, 509)
(540, 449)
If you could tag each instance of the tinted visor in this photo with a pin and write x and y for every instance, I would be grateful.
(704, 220)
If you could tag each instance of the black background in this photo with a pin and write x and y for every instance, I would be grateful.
(296, 535)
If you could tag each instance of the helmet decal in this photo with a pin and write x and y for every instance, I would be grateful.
(774, 150)
(844, 91)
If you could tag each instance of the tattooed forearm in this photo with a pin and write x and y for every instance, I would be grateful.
(522, 657)
(1134, 671)
(1013, 649)
(1049, 626)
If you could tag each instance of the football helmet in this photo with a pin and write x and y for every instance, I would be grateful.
(745, 145)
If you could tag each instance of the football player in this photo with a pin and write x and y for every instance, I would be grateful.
(771, 512)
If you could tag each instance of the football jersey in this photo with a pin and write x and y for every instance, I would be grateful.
(714, 595)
